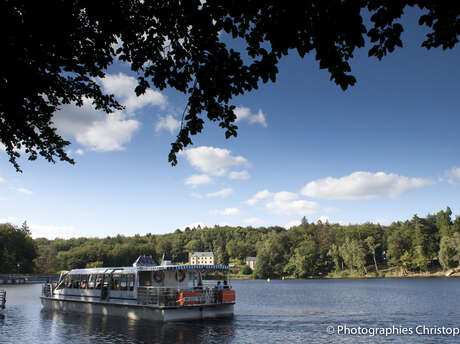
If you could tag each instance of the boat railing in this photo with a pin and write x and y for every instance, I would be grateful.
(2, 299)
(161, 296)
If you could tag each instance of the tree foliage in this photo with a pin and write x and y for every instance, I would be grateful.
(53, 59)
(17, 249)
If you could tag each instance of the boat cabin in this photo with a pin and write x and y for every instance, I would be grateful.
(161, 285)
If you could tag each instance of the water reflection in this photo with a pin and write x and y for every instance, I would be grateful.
(113, 329)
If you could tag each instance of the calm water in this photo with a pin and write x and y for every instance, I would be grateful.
(275, 312)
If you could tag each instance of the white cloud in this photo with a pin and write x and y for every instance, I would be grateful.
(196, 195)
(227, 212)
(245, 114)
(261, 195)
(283, 206)
(221, 193)
(9, 219)
(198, 179)
(243, 175)
(323, 219)
(253, 220)
(103, 132)
(292, 223)
(211, 160)
(20, 150)
(110, 134)
(24, 191)
(284, 203)
(122, 86)
(168, 123)
(362, 185)
(79, 151)
(2, 180)
(53, 232)
(453, 175)
(95, 129)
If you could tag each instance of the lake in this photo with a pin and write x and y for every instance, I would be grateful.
(303, 311)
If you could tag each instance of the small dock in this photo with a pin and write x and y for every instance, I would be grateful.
(26, 278)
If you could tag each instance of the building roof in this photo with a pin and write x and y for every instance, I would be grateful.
(251, 259)
(203, 254)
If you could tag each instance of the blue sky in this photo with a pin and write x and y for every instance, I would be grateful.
(384, 150)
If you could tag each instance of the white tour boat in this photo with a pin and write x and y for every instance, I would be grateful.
(145, 291)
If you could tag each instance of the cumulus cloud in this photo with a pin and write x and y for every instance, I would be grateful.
(95, 129)
(284, 203)
(242, 175)
(2, 180)
(123, 86)
(79, 151)
(103, 132)
(245, 114)
(168, 123)
(362, 185)
(453, 175)
(24, 191)
(299, 207)
(261, 195)
(198, 179)
(211, 160)
(221, 193)
(227, 212)
(110, 134)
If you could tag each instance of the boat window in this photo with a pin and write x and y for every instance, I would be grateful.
(145, 278)
(68, 282)
(75, 281)
(98, 281)
(106, 280)
(115, 281)
(91, 281)
(131, 282)
(83, 281)
(123, 282)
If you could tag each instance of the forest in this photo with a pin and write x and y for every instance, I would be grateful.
(422, 244)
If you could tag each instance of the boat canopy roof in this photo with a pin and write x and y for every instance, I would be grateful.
(133, 270)
(183, 267)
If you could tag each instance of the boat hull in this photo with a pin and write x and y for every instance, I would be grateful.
(135, 311)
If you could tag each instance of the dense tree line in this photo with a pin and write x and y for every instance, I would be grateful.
(17, 249)
(310, 249)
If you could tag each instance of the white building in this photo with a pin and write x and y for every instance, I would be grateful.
(202, 258)
(251, 262)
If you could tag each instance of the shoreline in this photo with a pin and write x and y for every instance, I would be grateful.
(382, 275)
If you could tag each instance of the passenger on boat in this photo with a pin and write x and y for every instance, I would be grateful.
(226, 285)
(219, 286)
